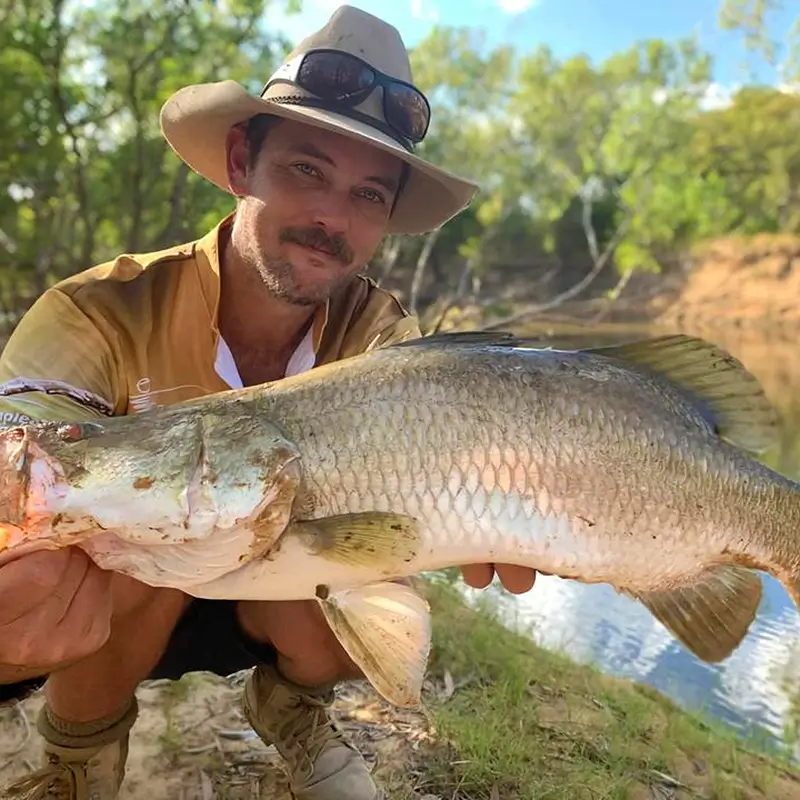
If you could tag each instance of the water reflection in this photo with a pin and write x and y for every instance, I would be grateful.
(757, 684)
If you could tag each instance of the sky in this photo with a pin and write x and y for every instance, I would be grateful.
(595, 27)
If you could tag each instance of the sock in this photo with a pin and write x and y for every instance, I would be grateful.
(93, 733)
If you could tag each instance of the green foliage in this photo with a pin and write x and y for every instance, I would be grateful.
(84, 170)
(753, 148)
(751, 19)
(577, 160)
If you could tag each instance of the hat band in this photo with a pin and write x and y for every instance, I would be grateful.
(351, 113)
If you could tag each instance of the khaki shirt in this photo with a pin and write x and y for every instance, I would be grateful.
(141, 331)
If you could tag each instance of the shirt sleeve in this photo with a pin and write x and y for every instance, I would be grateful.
(56, 365)
(396, 330)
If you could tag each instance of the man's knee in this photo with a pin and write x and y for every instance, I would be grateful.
(298, 632)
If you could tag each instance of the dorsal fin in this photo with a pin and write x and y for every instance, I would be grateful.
(740, 410)
(466, 338)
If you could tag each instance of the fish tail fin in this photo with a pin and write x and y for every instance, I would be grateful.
(792, 585)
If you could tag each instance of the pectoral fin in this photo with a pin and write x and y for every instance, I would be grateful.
(712, 617)
(385, 628)
(369, 539)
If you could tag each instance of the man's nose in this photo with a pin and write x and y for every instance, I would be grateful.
(331, 211)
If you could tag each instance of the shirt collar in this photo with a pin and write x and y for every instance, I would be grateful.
(207, 253)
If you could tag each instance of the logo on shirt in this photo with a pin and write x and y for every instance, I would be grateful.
(12, 418)
(146, 397)
(143, 400)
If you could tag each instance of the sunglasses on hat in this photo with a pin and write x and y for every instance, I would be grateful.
(342, 79)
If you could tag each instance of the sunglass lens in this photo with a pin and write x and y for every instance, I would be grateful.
(334, 76)
(408, 111)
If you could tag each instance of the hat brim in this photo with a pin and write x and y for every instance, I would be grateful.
(196, 119)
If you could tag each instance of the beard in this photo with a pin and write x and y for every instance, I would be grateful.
(279, 274)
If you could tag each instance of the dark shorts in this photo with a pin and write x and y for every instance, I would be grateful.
(208, 638)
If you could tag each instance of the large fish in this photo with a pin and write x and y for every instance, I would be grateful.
(629, 465)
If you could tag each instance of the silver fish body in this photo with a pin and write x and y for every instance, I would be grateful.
(628, 465)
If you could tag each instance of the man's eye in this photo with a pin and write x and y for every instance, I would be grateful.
(307, 169)
(373, 196)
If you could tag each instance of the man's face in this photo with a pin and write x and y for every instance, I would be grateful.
(313, 208)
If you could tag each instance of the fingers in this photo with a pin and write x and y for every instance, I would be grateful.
(88, 617)
(63, 594)
(56, 608)
(29, 581)
(478, 576)
(515, 579)
(37, 571)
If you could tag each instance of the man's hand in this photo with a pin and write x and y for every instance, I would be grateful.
(55, 608)
(516, 580)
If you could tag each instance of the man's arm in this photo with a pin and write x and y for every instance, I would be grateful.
(55, 606)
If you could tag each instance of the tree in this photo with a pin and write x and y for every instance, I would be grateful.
(87, 172)
(602, 137)
(751, 18)
(753, 146)
(467, 89)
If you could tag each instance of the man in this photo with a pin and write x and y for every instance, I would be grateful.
(322, 166)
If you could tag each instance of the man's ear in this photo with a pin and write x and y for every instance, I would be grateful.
(236, 159)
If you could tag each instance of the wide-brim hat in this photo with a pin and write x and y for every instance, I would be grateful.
(196, 119)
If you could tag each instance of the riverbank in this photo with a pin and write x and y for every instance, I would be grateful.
(503, 718)
(746, 284)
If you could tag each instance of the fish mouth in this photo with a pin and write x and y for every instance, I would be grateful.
(15, 457)
(9, 535)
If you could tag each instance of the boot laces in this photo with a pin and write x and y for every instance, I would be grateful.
(304, 734)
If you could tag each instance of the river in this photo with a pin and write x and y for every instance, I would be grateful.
(759, 685)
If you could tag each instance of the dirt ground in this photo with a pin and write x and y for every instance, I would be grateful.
(513, 722)
(191, 742)
(748, 283)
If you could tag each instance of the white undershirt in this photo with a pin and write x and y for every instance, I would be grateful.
(302, 360)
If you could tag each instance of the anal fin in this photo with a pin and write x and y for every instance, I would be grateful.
(711, 617)
(385, 628)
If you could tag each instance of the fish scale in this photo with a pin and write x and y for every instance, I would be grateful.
(446, 525)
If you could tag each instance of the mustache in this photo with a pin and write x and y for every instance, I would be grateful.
(335, 246)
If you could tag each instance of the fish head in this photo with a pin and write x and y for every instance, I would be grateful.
(166, 476)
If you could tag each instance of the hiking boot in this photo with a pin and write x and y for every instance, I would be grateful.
(322, 764)
(77, 767)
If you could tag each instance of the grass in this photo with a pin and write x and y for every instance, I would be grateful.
(504, 719)
(528, 723)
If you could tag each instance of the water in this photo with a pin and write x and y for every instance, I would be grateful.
(759, 685)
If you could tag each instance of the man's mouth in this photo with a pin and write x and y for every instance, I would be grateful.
(317, 241)
(318, 256)
(324, 250)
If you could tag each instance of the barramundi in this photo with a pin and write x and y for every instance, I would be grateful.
(635, 465)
